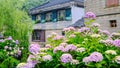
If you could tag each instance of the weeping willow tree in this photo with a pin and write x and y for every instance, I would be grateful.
(15, 22)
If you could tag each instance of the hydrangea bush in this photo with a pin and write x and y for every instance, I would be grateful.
(10, 52)
(87, 47)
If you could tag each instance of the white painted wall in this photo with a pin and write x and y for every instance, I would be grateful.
(77, 13)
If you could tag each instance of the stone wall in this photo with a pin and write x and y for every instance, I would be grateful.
(104, 14)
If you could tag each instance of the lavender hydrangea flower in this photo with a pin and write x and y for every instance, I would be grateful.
(106, 32)
(58, 48)
(32, 59)
(34, 48)
(29, 65)
(9, 38)
(84, 29)
(116, 42)
(96, 57)
(1, 40)
(90, 15)
(86, 60)
(66, 58)
(47, 58)
(70, 47)
(19, 52)
(17, 42)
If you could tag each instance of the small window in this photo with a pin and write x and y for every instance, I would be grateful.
(112, 3)
(113, 23)
(48, 17)
(61, 15)
(38, 18)
(38, 36)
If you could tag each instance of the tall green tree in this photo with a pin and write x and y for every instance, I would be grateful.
(15, 22)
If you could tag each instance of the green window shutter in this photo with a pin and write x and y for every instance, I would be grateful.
(42, 18)
(54, 16)
(68, 14)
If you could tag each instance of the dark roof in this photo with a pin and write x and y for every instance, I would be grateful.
(54, 2)
(79, 23)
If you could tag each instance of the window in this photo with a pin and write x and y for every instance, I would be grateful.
(38, 18)
(113, 23)
(61, 15)
(38, 36)
(112, 3)
(68, 14)
(63, 33)
(48, 17)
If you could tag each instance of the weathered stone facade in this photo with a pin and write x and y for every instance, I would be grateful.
(104, 14)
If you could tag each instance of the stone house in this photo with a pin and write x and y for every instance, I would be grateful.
(55, 15)
(107, 12)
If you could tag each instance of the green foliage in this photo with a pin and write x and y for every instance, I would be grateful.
(15, 22)
(9, 63)
(28, 4)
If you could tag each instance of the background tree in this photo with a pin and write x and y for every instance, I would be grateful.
(15, 22)
(28, 4)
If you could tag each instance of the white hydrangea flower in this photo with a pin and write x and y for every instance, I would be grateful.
(47, 58)
(80, 49)
(95, 35)
(74, 62)
(20, 65)
(111, 52)
(117, 59)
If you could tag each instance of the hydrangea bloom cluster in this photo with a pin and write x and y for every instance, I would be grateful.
(113, 52)
(94, 57)
(117, 42)
(66, 48)
(58, 37)
(117, 59)
(69, 29)
(80, 49)
(34, 48)
(95, 25)
(47, 58)
(58, 48)
(106, 32)
(66, 58)
(74, 62)
(95, 36)
(48, 46)
(90, 15)
(84, 29)
(70, 47)
(12, 48)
